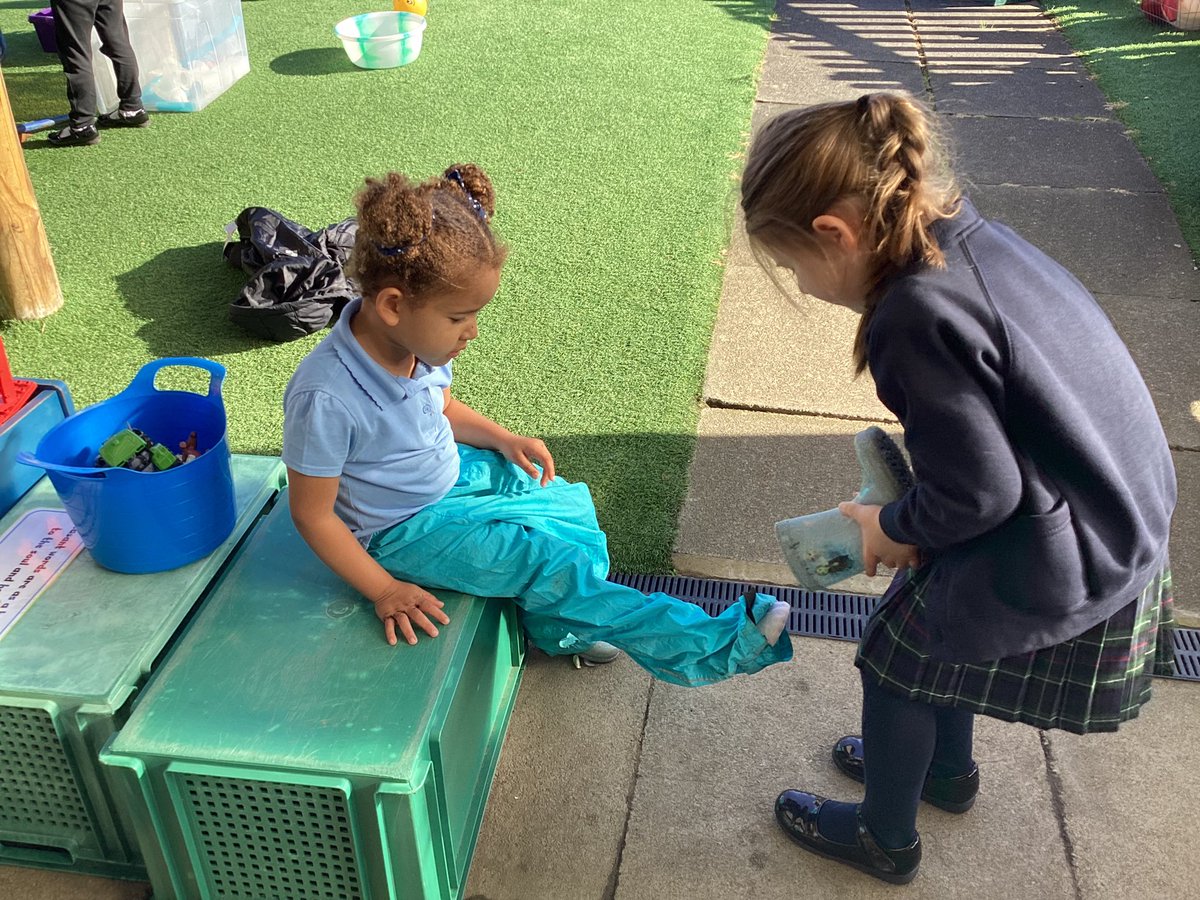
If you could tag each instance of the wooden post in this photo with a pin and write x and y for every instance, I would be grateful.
(28, 281)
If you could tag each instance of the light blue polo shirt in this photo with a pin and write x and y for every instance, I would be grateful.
(384, 436)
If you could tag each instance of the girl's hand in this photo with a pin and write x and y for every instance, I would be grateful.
(877, 546)
(522, 451)
(403, 604)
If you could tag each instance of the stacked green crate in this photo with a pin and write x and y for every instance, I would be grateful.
(73, 657)
(286, 750)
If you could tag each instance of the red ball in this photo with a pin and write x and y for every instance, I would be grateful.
(1161, 10)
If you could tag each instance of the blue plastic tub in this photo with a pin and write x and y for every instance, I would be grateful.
(139, 522)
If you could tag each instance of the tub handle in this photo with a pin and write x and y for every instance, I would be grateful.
(143, 381)
(29, 459)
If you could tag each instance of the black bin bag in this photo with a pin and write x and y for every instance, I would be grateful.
(298, 283)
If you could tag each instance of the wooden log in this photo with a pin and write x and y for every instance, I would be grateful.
(29, 286)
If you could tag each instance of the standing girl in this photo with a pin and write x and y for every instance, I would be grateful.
(399, 487)
(1033, 584)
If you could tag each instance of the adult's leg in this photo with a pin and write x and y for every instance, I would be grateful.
(73, 20)
(114, 43)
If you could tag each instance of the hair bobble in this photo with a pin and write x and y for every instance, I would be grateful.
(401, 249)
(456, 176)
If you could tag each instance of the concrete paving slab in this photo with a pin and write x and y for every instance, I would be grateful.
(1115, 243)
(701, 824)
(1161, 336)
(1046, 153)
(853, 25)
(555, 818)
(981, 31)
(866, 30)
(1129, 799)
(805, 72)
(1185, 541)
(751, 469)
(777, 351)
(19, 883)
(1030, 91)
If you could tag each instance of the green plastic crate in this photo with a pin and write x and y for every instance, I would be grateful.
(284, 751)
(71, 665)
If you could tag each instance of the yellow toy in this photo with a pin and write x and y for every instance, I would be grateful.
(411, 6)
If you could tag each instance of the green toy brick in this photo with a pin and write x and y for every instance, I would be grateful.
(121, 447)
(285, 750)
(162, 458)
(71, 667)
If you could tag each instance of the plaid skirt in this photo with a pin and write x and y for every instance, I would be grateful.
(1090, 683)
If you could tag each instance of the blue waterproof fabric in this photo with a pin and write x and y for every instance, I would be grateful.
(499, 534)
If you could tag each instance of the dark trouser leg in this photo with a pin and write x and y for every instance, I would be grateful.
(73, 21)
(898, 743)
(114, 43)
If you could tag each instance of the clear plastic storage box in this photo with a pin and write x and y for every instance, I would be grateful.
(189, 52)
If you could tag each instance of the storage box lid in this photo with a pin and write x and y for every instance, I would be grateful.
(287, 667)
(91, 635)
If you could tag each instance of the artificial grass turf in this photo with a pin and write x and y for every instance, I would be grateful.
(611, 130)
(1151, 74)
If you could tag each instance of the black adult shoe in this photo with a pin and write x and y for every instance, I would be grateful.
(75, 136)
(797, 813)
(121, 118)
(955, 795)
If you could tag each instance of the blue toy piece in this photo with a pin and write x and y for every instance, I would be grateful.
(41, 124)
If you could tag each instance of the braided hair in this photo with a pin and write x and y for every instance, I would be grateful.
(881, 149)
(417, 237)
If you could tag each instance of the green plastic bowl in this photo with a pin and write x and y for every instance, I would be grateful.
(381, 40)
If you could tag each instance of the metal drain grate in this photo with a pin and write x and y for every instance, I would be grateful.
(828, 614)
(263, 840)
(814, 613)
(1187, 653)
(38, 791)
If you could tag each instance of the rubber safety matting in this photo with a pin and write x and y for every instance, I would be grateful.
(830, 614)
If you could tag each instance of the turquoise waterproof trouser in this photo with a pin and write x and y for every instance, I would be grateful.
(498, 533)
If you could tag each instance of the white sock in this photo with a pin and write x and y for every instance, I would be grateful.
(771, 625)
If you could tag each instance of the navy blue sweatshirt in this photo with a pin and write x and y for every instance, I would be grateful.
(1045, 485)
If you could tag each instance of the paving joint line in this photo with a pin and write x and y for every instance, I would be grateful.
(1079, 120)
(1060, 812)
(1125, 192)
(614, 878)
(922, 62)
(715, 403)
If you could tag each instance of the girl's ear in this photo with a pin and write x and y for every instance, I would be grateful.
(834, 231)
(388, 303)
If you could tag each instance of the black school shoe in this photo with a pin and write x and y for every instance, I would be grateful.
(73, 136)
(121, 118)
(797, 813)
(955, 795)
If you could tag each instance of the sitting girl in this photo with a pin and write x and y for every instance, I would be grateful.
(401, 488)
